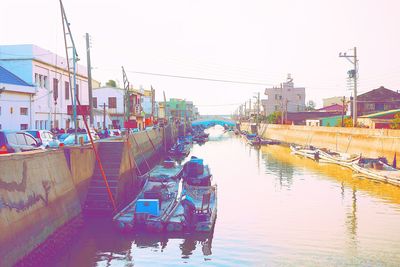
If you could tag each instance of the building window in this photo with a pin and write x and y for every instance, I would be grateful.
(94, 102)
(299, 96)
(0, 110)
(112, 102)
(55, 89)
(37, 82)
(370, 106)
(23, 111)
(40, 80)
(276, 108)
(66, 90)
(24, 126)
(45, 82)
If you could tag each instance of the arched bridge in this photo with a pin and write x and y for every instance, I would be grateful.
(210, 120)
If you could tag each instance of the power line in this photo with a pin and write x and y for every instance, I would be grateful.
(198, 78)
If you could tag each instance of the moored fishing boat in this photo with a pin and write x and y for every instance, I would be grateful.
(158, 197)
(310, 152)
(257, 141)
(343, 159)
(377, 169)
(197, 208)
(179, 150)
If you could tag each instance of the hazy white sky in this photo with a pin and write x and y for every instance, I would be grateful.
(253, 41)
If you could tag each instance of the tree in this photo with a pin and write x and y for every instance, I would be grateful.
(348, 122)
(274, 117)
(395, 123)
(310, 105)
(111, 83)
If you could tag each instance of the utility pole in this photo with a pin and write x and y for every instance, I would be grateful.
(250, 110)
(245, 109)
(89, 71)
(70, 44)
(343, 109)
(353, 75)
(258, 110)
(127, 99)
(104, 115)
(282, 110)
(286, 109)
(152, 101)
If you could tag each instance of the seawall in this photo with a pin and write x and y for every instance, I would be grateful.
(368, 142)
(42, 191)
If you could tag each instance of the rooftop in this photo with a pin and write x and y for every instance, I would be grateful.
(10, 78)
(381, 114)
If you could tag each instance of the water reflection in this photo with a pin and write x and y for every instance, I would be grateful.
(351, 221)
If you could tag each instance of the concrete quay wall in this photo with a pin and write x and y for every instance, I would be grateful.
(42, 191)
(368, 142)
(36, 198)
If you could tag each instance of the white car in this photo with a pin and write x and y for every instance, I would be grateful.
(45, 138)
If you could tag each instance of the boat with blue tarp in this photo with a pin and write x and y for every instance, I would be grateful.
(160, 194)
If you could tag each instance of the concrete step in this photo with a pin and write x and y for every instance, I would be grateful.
(108, 172)
(100, 182)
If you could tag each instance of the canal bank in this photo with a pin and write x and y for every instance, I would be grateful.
(42, 191)
(274, 209)
(368, 142)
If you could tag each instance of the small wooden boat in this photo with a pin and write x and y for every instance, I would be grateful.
(179, 150)
(310, 152)
(156, 200)
(196, 211)
(197, 208)
(377, 169)
(339, 158)
(200, 139)
(261, 141)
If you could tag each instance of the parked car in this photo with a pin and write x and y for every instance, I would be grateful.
(45, 138)
(62, 137)
(70, 140)
(17, 141)
(115, 132)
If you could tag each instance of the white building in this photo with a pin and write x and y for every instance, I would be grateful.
(15, 102)
(110, 99)
(286, 97)
(48, 72)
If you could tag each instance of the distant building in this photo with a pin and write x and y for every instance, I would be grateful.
(334, 121)
(380, 120)
(15, 102)
(148, 106)
(333, 108)
(178, 109)
(285, 97)
(379, 99)
(49, 74)
(336, 100)
(112, 100)
(300, 118)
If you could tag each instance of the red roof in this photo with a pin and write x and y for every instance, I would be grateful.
(380, 94)
(334, 107)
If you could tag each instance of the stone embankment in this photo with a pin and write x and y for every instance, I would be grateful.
(368, 142)
(42, 191)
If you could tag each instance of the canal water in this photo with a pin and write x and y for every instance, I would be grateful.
(274, 209)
